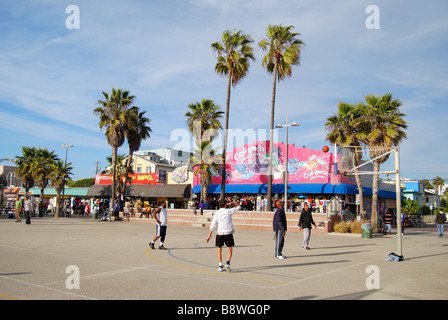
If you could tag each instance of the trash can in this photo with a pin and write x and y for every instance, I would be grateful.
(366, 230)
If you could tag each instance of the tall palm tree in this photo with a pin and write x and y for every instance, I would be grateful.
(283, 51)
(136, 130)
(343, 128)
(24, 168)
(42, 167)
(234, 53)
(59, 175)
(384, 127)
(112, 112)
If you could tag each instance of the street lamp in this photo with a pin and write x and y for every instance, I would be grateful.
(65, 146)
(286, 125)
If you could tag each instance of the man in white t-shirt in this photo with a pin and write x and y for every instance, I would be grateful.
(161, 217)
(27, 208)
(222, 220)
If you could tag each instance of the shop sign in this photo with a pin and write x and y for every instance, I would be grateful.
(137, 178)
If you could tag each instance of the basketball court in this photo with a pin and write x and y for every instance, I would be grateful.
(112, 260)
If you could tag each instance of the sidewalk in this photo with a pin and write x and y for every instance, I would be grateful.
(115, 262)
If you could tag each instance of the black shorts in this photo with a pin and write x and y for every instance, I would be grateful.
(224, 239)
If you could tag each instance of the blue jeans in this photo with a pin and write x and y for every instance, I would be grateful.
(440, 229)
(279, 242)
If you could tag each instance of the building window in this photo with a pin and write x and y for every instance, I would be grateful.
(179, 153)
(148, 169)
(139, 169)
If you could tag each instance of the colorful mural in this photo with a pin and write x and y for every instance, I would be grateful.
(250, 164)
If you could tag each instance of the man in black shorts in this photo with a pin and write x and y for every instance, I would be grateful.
(222, 219)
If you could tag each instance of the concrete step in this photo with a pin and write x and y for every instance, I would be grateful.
(245, 220)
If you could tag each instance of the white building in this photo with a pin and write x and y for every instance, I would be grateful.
(166, 155)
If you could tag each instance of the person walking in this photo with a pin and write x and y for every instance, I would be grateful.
(279, 225)
(305, 222)
(440, 221)
(27, 208)
(18, 209)
(116, 210)
(161, 216)
(387, 222)
(222, 221)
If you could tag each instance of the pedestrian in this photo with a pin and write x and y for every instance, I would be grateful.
(161, 217)
(18, 209)
(387, 222)
(201, 207)
(440, 221)
(87, 209)
(27, 208)
(127, 210)
(222, 221)
(305, 222)
(116, 210)
(279, 224)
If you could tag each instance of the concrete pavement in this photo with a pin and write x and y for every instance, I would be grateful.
(80, 258)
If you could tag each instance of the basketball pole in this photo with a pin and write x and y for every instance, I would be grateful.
(398, 196)
(397, 190)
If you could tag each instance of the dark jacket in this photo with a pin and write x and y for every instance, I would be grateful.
(440, 218)
(279, 221)
(306, 219)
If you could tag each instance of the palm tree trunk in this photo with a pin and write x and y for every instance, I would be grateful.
(128, 169)
(114, 175)
(271, 139)
(58, 204)
(226, 129)
(374, 216)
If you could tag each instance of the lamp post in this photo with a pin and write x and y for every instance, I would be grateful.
(64, 146)
(286, 125)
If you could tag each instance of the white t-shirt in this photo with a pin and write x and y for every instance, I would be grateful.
(27, 205)
(223, 220)
(162, 216)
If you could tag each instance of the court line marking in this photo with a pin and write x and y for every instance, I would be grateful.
(340, 269)
(211, 272)
(209, 266)
(8, 297)
(48, 288)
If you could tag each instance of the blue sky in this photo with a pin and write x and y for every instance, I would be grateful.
(51, 77)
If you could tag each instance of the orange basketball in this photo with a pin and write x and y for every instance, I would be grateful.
(325, 148)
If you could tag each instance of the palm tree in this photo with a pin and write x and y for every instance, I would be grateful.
(112, 112)
(343, 129)
(203, 120)
(59, 174)
(120, 170)
(283, 51)
(205, 161)
(24, 167)
(136, 130)
(234, 53)
(42, 167)
(383, 125)
(438, 182)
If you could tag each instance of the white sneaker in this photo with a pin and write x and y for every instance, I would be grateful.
(228, 267)
(280, 257)
(220, 268)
